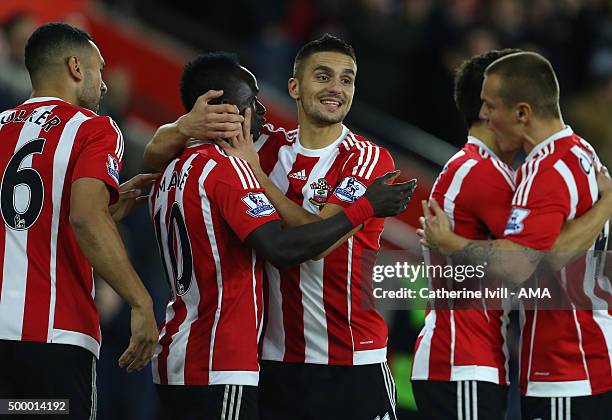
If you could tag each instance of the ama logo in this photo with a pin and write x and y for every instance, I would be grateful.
(258, 204)
(112, 165)
(350, 190)
(515, 221)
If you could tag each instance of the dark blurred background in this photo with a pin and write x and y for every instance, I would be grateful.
(406, 50)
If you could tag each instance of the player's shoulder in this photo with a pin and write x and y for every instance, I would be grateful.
(271, 133)
(356, 145)
(220, 166)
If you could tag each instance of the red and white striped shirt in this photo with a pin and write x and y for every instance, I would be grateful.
(46, 285)
(564, 353)
(475, 189)
(316, 311)
(203, 207)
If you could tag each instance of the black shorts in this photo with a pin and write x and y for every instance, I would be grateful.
(591, 407)
(306, 391)
(210, 402)
(49, 371)
(460, 400)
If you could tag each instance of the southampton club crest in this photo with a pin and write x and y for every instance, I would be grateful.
(258, 204)
(320, 190)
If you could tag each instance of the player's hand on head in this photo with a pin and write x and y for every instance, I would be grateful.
(604, 182)
(389, 199)
(242, 145)
(132, 193)
(143, 339)
(208, 121)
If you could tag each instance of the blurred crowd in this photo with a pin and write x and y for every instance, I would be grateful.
(407, 50)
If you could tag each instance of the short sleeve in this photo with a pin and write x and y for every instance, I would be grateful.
(240, 198)
(538, 212)
(361, 168)
(101, 153)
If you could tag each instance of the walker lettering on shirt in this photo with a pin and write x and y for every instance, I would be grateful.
(44, 118)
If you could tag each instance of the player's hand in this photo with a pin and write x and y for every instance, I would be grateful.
(242, 145)
(131, 195)
(389, 199)
(206, 121)
(604, 182)
(143, 339)
(436, 232)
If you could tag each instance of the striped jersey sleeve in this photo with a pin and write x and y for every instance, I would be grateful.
(101, 153)
(239, 196)
(364, 163)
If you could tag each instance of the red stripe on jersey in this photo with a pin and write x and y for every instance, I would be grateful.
(293, 315)
(171, 328)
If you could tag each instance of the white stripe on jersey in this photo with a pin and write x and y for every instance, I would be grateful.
(239, 172)
(570, 183)
(506, 173)
(349, 275)
(275, 329)
(455, 187)
(60, 163)
(582, 155)
(249, 175)
(210, 230)
(15, 275)
(178, 346)
(315, 321)
(374, 162)
(120, 144)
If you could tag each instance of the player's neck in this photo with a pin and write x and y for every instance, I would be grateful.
(318, 137)
(485, 135)
(540, 130)
(49, 91)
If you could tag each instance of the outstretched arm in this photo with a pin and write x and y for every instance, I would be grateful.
(204, 122)
(287, 247)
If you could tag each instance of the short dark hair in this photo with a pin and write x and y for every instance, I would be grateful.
(209, 71)
(528, 77)
(52, 42)
(468, 83)
(327, 43)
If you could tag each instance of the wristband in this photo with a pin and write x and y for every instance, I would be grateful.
(360, 211)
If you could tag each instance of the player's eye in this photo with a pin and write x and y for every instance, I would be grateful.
(322, 77)
(347, 81)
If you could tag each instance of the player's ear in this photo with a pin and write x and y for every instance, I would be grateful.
(293, 86)
(524, 112)
(75, 67)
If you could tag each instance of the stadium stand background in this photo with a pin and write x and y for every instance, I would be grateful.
(407, 51)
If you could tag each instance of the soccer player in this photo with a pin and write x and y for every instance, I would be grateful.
(321, 331)
(565, 356)
(60, 167)
(210, 215)
(460, 366)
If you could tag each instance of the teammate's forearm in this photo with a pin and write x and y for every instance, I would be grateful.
(503, 259)
(167, 142)
(579, 234)
(101, 243)
(291, 213)
(292, 246)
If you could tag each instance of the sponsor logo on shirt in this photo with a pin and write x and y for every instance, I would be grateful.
(515, 221)
(299, 175)
(321, 189)
(350, 190)
(258, 204)
(113, 168)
